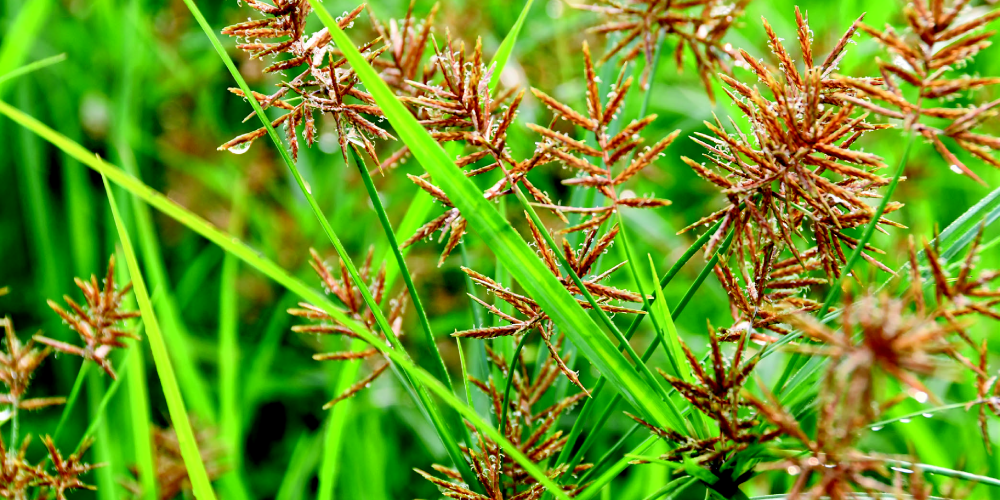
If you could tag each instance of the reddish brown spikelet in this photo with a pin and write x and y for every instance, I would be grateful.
(326, 85)
(322, 323)
(531, 429)
(942, 37)
(698, 26)
(98, 321)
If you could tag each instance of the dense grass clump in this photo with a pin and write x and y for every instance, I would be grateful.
(815, 180)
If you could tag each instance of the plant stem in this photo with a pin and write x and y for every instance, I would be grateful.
(438, 367)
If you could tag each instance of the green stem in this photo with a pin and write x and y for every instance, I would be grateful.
(438, 367)
(74, 394)
(510, 382)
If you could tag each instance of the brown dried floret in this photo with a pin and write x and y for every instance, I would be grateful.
(322, 323)
(407, 41)
(597, 167)
(698, 26)
(98, 322)
(795, 172)
(942, 36)
(17, 365)
(716, 391)
(327, 84)
(66, 472)
(455, 104)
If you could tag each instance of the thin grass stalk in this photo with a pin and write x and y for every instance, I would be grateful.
(105, 476)
(465, 375)
(74, 395)
(138, 399)
(31, 67)
(673, 489)
(168, 381)
(437, 363)
(97, 417)
(510, 381)
(336, 420)
(276, 273)
(229, 362)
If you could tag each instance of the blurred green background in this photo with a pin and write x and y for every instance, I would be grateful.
(143, 88)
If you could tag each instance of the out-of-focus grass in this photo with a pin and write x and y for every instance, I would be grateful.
(142, 86)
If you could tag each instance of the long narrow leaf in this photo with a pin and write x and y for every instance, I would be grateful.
(168, 381)
(498, 234)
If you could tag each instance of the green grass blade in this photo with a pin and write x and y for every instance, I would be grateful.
(270, 269)
(669, 338)
(168, 381)
(673, 489)
(336, 421)
(296, 477)
(502, 55)
(612, 472)
(74, 395)
(20, 35)
(139, 418)
(501, 237)
(35, 66)
(229, 362)
(465, 375)
(97, 417)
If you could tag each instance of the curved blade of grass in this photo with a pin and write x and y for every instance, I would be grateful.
(514, 253)
(507, 47)
(138, 399)
(672, 489)
(34, 66)
(270, 269)
(168, 381)
(98, 416)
